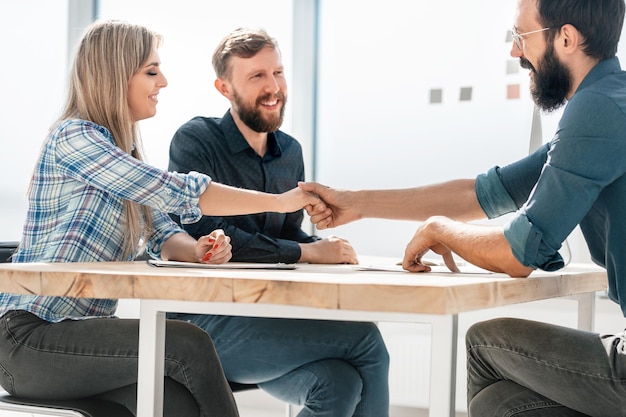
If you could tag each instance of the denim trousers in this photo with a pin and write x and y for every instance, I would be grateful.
(521, 368)
(331, 368)
(97, 357)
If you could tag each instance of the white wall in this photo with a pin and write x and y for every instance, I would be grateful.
(32, 72)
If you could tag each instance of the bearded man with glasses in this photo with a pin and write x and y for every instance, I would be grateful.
(520, 367)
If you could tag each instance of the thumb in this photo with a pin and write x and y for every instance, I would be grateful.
(450, 263)
(307, 186)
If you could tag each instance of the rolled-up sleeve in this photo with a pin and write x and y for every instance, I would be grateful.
(492, 196)
(526, 241)
(528, 246)
(193, 184)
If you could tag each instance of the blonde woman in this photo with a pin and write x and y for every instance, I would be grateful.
(91, 198)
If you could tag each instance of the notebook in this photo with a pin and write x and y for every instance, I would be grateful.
(228, 265)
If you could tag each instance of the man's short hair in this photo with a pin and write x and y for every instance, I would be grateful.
(599, 21)
(242, 43)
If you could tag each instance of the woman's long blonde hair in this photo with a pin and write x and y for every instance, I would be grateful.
(108, 55)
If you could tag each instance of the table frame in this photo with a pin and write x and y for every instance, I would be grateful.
(444, 339)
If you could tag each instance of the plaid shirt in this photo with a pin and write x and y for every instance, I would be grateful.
(75, 210)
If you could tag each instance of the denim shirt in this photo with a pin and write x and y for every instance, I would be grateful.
(75, 206)
(578, 178)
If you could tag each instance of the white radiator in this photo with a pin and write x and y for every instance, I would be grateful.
(409, 373)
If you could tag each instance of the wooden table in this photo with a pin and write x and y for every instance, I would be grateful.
(332, 292)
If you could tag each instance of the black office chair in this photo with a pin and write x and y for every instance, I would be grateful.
(91, 407)
(6, 250)
(237, 387)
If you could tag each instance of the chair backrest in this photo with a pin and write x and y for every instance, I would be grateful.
(6, 250)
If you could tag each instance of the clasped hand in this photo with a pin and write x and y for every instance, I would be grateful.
(214, 248)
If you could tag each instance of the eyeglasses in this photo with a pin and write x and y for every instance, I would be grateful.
(518, 37)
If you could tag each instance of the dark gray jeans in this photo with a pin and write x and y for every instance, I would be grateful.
(98, 358)
(521, 368)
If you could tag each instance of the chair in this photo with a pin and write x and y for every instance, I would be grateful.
(92, 407)
(6, 250)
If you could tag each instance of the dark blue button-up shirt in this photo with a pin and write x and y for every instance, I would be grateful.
(217, 148)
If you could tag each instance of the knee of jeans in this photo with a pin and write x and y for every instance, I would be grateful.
(337, 381)
(378, 344)
(484, 329)
(183, 338)
(506, 398)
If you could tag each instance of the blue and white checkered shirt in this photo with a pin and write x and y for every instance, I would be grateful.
(75, 210)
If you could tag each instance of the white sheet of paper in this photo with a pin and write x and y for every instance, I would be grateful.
(442, 269)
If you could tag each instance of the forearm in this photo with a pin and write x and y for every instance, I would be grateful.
(307, 253)
(179, 247)
(455, 199)
(222, 200)
(483, 246)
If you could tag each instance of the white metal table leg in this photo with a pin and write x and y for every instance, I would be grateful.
(586, 310)
(444, 335)
(151, 360)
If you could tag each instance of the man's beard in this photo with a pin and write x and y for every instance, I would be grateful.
(253, 117)
(551, 83)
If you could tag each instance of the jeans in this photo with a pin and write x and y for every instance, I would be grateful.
(98, 358)
(331, 368)
(521, 368)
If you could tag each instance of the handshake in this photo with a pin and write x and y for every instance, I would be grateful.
(328, 207)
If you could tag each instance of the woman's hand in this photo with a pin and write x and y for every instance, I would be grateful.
(214, 248)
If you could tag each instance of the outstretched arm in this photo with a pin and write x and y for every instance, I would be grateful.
(455, 199)
(223, 200)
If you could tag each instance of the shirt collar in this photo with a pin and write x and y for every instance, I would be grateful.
(601, 70)
(237, 143)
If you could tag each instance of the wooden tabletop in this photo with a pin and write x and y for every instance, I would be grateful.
(341, 287)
